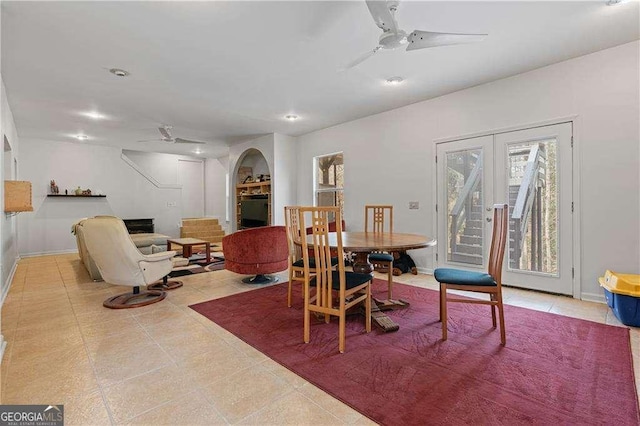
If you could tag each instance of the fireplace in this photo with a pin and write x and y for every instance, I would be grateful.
(139, 226)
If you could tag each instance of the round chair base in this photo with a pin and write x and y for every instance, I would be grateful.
(169, 285)
(134, 300)
(261, 279)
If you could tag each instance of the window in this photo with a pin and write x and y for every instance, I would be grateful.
(329, 180)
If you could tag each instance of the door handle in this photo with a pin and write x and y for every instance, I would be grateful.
(489, 219)
(489, 209)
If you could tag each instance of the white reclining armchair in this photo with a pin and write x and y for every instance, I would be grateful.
(120, 262)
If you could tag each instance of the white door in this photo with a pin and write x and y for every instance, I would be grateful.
(465, 189)
(535, 176)
(531, 170)
(191, 177)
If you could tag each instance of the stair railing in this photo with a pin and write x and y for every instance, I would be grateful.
(527, 192)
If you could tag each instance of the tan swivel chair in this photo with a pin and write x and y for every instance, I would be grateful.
(349, 287)
(120, 262)
(479, 282)
(380, 219)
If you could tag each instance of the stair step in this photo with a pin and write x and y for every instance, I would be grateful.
(466, 258)
(472, 232)
(469, 249)
(471, 239)
(203, 221)
(474, 223)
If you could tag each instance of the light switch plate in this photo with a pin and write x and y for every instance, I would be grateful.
(414, 205)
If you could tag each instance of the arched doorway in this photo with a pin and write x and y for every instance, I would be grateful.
(251, 180)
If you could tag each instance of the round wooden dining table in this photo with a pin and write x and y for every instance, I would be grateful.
(363, 243)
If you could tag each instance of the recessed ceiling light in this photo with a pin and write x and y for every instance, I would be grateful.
(394, 81)
(119, 72)
(81, 137)
(291, 117)
(614, 2)
(94, 114)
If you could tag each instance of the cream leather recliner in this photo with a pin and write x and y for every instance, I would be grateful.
(120, 262)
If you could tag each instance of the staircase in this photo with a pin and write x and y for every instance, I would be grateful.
(469, 249)
(204, 228)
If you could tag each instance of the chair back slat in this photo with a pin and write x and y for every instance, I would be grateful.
(498, 241)
(381, 218)
(318, 219)
(294, 235)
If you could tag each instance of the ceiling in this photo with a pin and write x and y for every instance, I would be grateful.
(223, 72)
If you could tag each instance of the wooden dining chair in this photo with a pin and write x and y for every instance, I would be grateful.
(334, 291)
(294, 235)
(381, 221)
(479, 282)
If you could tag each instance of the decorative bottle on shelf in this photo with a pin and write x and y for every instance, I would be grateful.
(78, 191)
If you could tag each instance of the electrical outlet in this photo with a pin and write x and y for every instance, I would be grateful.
(414, 205)
(172, 204)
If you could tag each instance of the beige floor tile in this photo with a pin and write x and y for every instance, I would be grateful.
(129, 363)
(292, 409)
(339, 409)
(246, 392)
(211, 367)
(188, 409)
(86, 409)
(141, 393)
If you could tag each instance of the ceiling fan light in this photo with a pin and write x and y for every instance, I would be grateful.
(394, 81)
(615, 2)
(119, 72)
(81, 137)
(291, 117)
(94, 115)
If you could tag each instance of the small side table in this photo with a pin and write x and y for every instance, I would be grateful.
(188, 244)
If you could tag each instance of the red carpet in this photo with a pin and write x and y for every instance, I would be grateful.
(554, 370)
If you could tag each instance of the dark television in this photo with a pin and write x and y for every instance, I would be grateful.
(254, 213)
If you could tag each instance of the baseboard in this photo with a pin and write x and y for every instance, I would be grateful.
(3, 345)
(427, 271)
(49, 253)
(593, 297)
(9, 281)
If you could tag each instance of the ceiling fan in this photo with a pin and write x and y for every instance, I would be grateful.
(383, 13)
(165, 131)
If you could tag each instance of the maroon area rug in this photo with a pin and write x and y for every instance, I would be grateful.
(554, 370)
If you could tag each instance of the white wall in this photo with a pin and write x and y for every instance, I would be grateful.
(389, 157)
(8, 223)
(8, 236)
(129, 194)
(215, 170)
(284, 185)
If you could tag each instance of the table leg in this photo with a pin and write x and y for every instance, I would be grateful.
(208, 252)
(186, 251)
(361, 264)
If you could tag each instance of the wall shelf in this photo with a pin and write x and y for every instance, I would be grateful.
(75, 196)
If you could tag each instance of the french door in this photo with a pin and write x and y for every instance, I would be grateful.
(531, 171)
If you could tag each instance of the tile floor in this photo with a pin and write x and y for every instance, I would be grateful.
(164, 363)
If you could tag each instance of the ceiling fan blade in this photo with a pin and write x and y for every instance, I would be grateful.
(381, 12)
(361, 58)
(164, 130)
(180, 140)
(151, 140)
(423, 39)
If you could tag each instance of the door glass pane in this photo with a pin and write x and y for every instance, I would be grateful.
(533, 206)
(464, 206)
